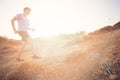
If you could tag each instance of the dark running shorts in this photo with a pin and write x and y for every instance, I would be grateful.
(24, 35)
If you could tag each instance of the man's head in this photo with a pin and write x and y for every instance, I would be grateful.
(26, 10)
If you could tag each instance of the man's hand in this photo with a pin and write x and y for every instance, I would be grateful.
(33, 29)
(16, 32)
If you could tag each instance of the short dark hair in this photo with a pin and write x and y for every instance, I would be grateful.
(26, 8)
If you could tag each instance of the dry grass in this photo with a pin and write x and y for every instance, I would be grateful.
(96, 57)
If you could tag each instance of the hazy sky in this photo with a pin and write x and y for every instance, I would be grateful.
(51, 17)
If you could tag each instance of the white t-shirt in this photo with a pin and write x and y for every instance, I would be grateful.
(23, 22)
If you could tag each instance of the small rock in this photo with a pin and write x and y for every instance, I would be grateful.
(112, 77)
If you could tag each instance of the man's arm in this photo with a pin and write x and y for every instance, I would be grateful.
(32, 29)
(13, 25)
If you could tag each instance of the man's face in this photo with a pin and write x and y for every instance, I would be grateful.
(27, 11)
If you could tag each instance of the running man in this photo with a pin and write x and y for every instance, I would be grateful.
(23, 27)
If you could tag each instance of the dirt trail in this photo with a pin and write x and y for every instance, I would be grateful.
(61, 59)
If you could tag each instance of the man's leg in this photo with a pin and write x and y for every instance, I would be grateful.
(33, 48)
(21, 50)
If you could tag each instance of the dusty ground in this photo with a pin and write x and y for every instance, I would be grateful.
(90, 57)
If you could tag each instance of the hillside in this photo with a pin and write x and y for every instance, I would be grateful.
(95, 56)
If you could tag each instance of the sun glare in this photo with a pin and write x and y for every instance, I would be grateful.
(50, 17)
